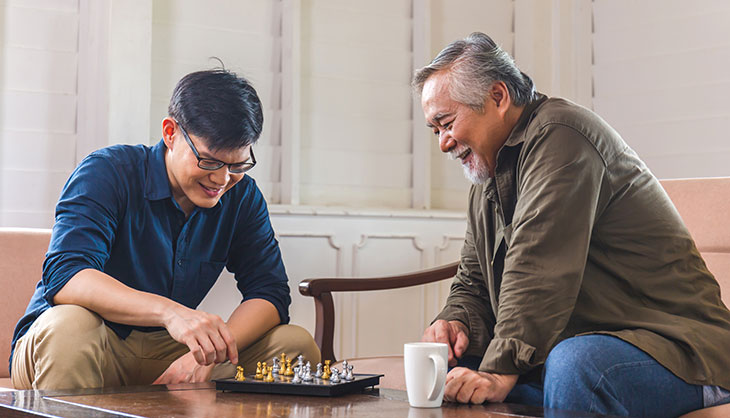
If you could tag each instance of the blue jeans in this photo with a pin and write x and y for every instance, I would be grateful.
(605, 375)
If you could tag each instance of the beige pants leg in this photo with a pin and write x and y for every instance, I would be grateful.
(290, 339)
(70, 347)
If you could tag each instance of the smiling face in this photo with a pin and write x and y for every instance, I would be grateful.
(191, 185)
(464, 133)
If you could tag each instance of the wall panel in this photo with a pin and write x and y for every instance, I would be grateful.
(659, 78)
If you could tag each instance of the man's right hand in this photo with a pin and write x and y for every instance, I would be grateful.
(452, 333)
(206, 335)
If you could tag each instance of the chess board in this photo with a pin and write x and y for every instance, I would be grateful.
(283, 385)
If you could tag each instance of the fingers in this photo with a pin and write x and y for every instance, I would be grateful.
(206, 335)
(466, 386)
(231, 347)
(461, 343)
(442, 334)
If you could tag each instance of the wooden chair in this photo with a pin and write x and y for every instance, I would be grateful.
(321, 290)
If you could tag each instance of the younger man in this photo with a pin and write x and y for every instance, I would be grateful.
(141, 235)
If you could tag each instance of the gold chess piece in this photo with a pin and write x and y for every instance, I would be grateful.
(326, 373)
(269, 375)
(259, 374)
(283, 359)
(239, 374)
(288, 371)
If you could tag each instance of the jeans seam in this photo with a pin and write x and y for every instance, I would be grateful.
(611, 369)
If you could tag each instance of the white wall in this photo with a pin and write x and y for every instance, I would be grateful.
(38, 63)
(661, 79)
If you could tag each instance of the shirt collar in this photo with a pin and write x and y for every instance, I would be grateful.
(517, 136)
(157, 185)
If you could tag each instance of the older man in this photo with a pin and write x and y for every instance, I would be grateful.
(579, 286)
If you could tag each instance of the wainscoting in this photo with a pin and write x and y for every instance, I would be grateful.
(318, 242)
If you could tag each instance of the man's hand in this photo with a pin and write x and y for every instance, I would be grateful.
(469, 386)
(185, 369)
(206, 335)
(452, 333)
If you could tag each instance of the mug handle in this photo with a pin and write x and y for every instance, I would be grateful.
(439, 364)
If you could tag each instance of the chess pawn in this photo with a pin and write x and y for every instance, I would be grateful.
(288, 371)
(327, 372)
(239, 374)
(259, 374)
(318, 373)
(349, 376)
(269, 376)
(275, 368)
(335, 375)
(296, 378)
(307, 373)
(344, 369)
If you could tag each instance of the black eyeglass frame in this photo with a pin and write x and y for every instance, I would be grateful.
(214, 164)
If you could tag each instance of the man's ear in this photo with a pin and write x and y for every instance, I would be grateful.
(168, 129)
(499, 94)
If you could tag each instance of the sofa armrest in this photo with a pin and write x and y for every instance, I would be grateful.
(321, 290)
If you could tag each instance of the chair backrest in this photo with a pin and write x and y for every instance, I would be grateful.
(704, 205)
(22, 251)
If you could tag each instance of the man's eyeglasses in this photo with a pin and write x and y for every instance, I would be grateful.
(212, 164)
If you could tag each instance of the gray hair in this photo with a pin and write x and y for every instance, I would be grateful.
(474, 64)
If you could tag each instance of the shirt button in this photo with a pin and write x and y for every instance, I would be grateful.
(179, 262)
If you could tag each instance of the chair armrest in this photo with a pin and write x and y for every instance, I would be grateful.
(321, 290)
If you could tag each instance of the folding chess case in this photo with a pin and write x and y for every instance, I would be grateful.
(284, 386)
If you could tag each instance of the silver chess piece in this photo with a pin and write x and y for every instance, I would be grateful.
(349, 377)
(318, 373)
(275, 368)
(344, 369)
(335, 375)
(296, 378)
(308, 373)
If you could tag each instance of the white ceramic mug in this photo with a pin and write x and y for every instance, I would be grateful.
(425, 367)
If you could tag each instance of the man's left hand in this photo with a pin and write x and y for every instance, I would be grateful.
(469, 386)
(185, 370)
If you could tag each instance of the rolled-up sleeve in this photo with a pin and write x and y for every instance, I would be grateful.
(560, 180)
(87, 214)
(255, 258)
(468, 300)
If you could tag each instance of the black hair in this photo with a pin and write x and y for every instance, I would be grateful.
(220, 107)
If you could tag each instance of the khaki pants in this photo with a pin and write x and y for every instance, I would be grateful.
(70, 347)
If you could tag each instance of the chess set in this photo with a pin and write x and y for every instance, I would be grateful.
(281, 378)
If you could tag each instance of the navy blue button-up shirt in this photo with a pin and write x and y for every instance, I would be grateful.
(116, 214)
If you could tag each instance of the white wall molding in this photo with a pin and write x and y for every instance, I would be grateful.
(92, 114)
(420, 135)
(291, 108)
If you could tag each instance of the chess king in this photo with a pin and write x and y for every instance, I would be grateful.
(141, 234)
(579, 287)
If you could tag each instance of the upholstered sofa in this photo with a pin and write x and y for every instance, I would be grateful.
(702, 203)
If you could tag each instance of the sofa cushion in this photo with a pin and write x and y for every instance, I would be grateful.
(21, 260)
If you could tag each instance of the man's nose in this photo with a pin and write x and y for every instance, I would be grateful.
(220, 176)
(446, 142)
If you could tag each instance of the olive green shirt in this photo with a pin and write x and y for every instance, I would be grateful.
(574, 235)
